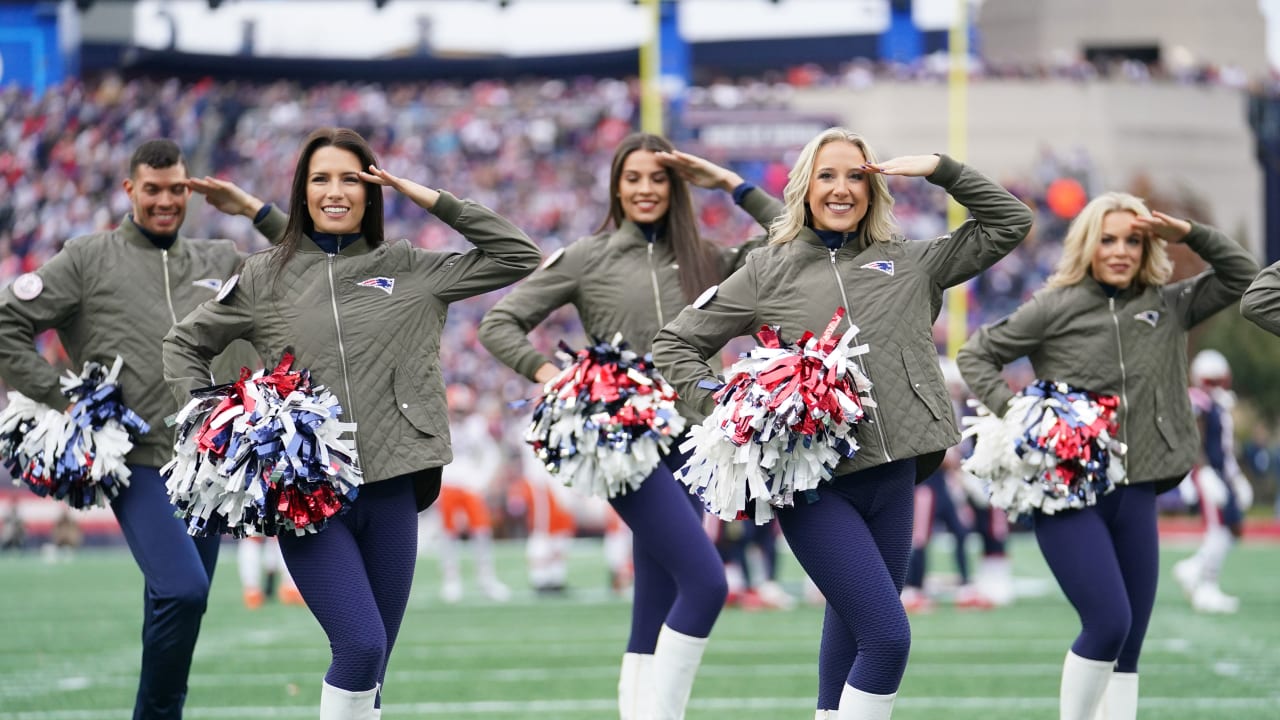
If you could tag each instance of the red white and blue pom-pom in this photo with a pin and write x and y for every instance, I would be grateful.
(1055, 449)
(782, 423)
(76, 456)
(604, 423)
(262, 456)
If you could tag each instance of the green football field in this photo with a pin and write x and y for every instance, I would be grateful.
(69, 649)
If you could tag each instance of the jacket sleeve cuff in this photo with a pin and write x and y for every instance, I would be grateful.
(1199, 236)
(448, 208)
(271, 222)
(947, 172)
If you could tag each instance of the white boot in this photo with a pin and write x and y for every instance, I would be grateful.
(635, 687)
(339, 704)
(675, 664)
(1083, 684)
(1120, 702)
(858, 705)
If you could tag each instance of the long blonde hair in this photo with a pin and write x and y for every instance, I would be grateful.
(1081, 243)
(879, 224)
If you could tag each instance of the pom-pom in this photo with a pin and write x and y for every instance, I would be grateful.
(76, 456)
(1054, 449)
(604, 423)
(262, 456)
(782, 423)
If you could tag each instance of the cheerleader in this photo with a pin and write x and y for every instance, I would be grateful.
(645, 263)
(115, 294)
(365, 317)
(836, 246)
(1110, 322)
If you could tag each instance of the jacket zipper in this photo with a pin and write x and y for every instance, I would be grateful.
(1124, 389)
(657, 297)
(875, 411)
(342, 356)
(168, 292)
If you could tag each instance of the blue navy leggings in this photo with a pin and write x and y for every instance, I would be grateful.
(176, 571)
(854, 541)
(355, 576)
(1106, 559)
(679, 577)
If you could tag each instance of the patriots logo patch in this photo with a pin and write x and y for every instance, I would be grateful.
(1150, 317)
(382, 283)
(213, 284)
(884, 266)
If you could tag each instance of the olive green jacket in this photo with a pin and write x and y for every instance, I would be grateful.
(618, 281)
(367, 323)
(892, 292)
(1133, 345)
(1261, 302)
(115, 293)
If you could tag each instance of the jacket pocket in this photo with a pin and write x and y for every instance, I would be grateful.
(1164, 423)
(923, 383)
(411, 393)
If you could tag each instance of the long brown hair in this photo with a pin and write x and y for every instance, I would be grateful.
(300, 222)
(699, 264)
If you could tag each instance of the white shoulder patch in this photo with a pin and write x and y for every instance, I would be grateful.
(553, 258)
(28, 286)
(227, 288)
(706, 296)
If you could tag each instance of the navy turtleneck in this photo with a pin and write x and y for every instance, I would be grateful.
(333, 244)
(650, 230)
(834, 239)
(1110, 290)
(164, 242)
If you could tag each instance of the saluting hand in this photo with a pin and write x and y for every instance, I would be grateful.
(908, 165)
(424, 196)
(226, 196)
(699, 171)
(1170, 228)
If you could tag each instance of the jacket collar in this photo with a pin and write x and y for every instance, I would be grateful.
(629, 235)
(359, 247)
(809, 237)
(133, 235)
(1095, 289)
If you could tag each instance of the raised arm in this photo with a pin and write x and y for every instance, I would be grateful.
(1000, 221)
(1261, 302)
(703, 173)
(227, 197)
(503, 253)
(1231, 268)
(681, 349)
(986, 352)
(35, 302)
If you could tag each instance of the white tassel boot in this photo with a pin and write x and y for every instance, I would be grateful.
(635, 687)
(1084, 682)
(675, 664)
(858, 705)
(1120, 702)
(339, 704)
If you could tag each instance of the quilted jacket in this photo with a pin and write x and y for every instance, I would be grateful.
(367, 323)
(892, 291)
(115, 293)
(1133, 345)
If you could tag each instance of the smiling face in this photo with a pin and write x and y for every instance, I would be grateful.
(839, 192)
(644, 188)
(159, 198)
(336, 195)
(1118, 257)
